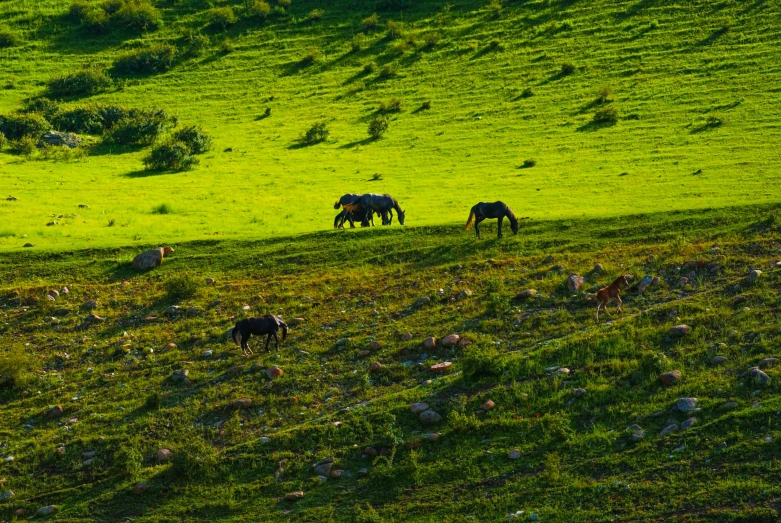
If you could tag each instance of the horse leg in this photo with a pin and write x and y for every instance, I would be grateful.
(499, 233)
(599, 304)
(244, 346)
(619, 306)
(268, 339)
(477, 226)
(276, 340)
(390, 217)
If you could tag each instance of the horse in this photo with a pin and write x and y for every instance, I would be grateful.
(382, 204)
(612, 291)
(353, 214)
(258, 326)
(498, 210)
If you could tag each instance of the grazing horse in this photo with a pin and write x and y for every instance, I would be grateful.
(258, 326)
(497, 210)
(382, 204)
(352, 211)
(612, 291)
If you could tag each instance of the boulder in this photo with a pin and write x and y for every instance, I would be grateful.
(688, 423)
(274, 372)
(441, 368)
(90, 305)
(670, 378)
(54, 412)
(464, 294)
(5, 496)
(753, 275)
(526, 294)
(419, 407)
(768, 362)
(718, 360)
(406, 336)
(46, 511)
(294, 496)
(669, 429)
(429, 417)
(687, 404)
(148, 259)
(463, 342)
(574, 282)
(164, 454)
(242, 403)
(375, 345)
(450, 340)
(514, 454)
(679, 331)
(430, 343)
(375, 366)
(181, 376)
(488, 405)
(758, 376)
(58, 138)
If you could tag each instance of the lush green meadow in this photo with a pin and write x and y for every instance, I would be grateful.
(695, 85)
(576, 461)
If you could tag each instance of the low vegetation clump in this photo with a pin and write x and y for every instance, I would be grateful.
(85, 82)
(567, 68)
(138, 129)
(259, 9)
(318, 133)
(605, 94)
(171, 156)
(183, 286)
(377, 126)
(132, 15)
(431, 39)
(198, 141)
(358, 42)
(315, 15)
(313, 56)
(24, 146)
(222, 17)
(157, 58)
(391, 106)
(370, 23)
(14, 367)
(43, 106)
(528, 92)
(530, 162)
(3, 141)
(197, 43)
(388, 71)
(18, 125)
(8, 39)
(606, 115)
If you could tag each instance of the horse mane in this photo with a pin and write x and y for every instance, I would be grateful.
(511, 217)
(396, 206)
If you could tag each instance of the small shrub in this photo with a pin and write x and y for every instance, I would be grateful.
(43, 106)
(377, 177)
(278, 11)
(605, 94)
(136, 15)
(111, 222)
(196, 140)
(401, 47)
(377, 127)
(140, 129)
(17, 126)
(359, 42)
(182, 286)
(284, 3)
(608, 114)
(316, 14)
(128, 461)
(531, 162)
(527, 93)
(78, 10)
(388, 71)
(84, 82)
(227, 46)
(198, 43)
(567, 68)
(496, 45)
(370, 68)
(155, 59)
(259, 9)
(431, 39)
(395, 29)
(3, 141)
(552, 472)
(24, 146)
(14, 363)
(96, 21)
(317, 133)
(222, 17)
(89, 119)
(313, 56)
(163, 208)
(479, 363)
(495, 8)
(425, 106)
(195, 459)
(171, 156)
(8, 39)
(370, 23)
(391, 106)
(653, 25)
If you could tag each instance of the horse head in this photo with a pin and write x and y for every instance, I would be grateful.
(514, 226)
(401, 216)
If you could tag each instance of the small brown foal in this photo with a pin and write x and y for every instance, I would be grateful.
(612, 291)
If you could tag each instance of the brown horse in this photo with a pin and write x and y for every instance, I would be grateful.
(610, 292)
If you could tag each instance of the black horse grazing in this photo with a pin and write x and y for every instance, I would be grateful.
(382, 204)
(498, 210)
(258, 326)
(353, 211)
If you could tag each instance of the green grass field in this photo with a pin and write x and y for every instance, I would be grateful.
(671, 69)
(498, 101)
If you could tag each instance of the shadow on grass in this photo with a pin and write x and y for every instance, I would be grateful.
(593, 126)
(365, 141)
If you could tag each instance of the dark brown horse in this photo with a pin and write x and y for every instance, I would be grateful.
(495, 210)
(268, 325)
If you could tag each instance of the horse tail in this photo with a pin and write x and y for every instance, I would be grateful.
(235, 335)
(283, 326)
(337, 204)
(471, 217)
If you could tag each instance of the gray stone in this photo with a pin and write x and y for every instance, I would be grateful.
(574, 282)
(57, 138)
(669, 429)
(429, 417)
(638, 435)
(181, 376)
(5, 496)
(718, 360)
(688, 423)
(45, 511)
(758, 376)
(768, 362)
(417, 408)
(526, 294)
(679, 331)
(464, 294)
(687, 404)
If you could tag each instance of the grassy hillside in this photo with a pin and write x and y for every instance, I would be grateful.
(575, 461)
(695, 85)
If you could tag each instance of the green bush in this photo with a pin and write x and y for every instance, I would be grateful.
(259, 9)
(128, 461)
(3, 141)
(425, 106)
(431, 39)
(196, 140)
(137, 15)
(388, 71)
(370, 22)
(359, 42)
(395, 29)
(195, 459)
(139, 129)
(84, 82)
(171, 156)
(222, 17)
(313, 56)
(157, 58)
(608, 114)
(370, 67)
(89, 119)
(14, 367)
(43, 106)
(163, 208)
(567, 68)
(315, 15)
(605, 94)
(391, 106)
(317, 133)
(198, 43)
(531, 162)
(284, 3)
(182, 286)
(8, 39)
(19, 125)
(527, 93)
(377, 127)
(24, 146)
(479, 363)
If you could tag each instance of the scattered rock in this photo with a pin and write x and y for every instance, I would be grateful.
(574, 282)
(363, 353)
(54, 412)
(375, 366)
(181, 376)
(148, 259)
(488, 405)
(753, 275)
(295, 322)
(210, 281)
(526, 294)
(419, 407)
(598, 268)
(421, 302)
(406, 336)
(432, 436)
(441, 368)
(5, 496)
(323, 467)
(450, 340)
(688, 423)
(274, 372)
(164, 454)
(514, 454)
(140, 487)
(46, 511)
(294, 496)
(336, 473)
(718, 360)
(669, 429)
(638, 435)
(173, 309)
(768, 362)
(730, 405)
(463, 342)
(90, 305)
(207, 353)
(578, 393)
(429, 417)
(686, 404)
(430, 343)
(19, 512)
(679, 331)
(242, 403)
(370, 451)
(758, 376)
(464, 294)
(57, 138)
(375, 345)
(53, 293)
(670, 378)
